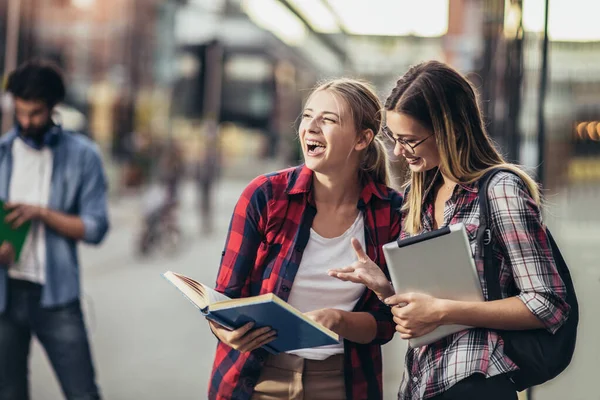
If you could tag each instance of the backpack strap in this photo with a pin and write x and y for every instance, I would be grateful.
(491, 271)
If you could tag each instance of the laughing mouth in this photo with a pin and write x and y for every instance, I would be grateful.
(314, 148)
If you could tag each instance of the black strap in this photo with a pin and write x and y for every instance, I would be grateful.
(484, 237)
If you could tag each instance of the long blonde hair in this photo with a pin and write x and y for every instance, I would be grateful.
(366, 112)
(442, 100)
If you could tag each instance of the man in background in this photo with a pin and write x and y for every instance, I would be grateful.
(208, 170)
(54, 180)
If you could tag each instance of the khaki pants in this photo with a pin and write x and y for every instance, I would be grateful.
(286, 376)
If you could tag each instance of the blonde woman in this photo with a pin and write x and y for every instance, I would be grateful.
(433, 117)
(288, 229)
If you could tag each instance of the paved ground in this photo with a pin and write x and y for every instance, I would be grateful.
(150, 343)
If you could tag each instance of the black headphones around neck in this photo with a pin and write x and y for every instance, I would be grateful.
(50, 137)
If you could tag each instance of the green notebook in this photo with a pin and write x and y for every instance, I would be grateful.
(16, 237)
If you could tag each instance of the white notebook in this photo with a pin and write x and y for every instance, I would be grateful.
(438, 263)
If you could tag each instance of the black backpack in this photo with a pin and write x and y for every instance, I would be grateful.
(539, 355)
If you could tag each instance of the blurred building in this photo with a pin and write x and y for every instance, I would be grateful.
(109, 51)
(510, 69)
(160, 68)
(230, 66)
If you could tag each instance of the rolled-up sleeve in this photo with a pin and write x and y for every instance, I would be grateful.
(522, 236)
(380, 311)
(92, 200)
(384, 319)
(243, 239)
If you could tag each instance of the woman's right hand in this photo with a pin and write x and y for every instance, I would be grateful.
(244, 339)
(364, 271)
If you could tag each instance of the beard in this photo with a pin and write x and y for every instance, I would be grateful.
(34, 132)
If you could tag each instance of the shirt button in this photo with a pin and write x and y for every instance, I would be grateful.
(285, 289)
(415, 379)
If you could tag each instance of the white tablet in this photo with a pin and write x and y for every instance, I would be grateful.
(438, 263)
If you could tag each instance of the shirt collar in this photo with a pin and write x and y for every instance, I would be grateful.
(49, 138)
(471, 187)
(301, 180)
(371, 189)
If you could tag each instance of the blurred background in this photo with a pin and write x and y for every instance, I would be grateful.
(203, 95)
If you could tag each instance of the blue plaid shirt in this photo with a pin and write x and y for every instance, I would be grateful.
(78, 187)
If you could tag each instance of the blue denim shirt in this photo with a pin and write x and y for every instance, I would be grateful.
(78, 187)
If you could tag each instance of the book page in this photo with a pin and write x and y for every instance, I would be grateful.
(210, 295)
(190, 291)
(213, 295)
(200, 294)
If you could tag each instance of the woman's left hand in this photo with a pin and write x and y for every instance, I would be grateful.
(415, 314)
(364, 271)
(330, 318)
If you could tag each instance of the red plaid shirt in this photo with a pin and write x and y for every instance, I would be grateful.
(527, 270)
(269, 231)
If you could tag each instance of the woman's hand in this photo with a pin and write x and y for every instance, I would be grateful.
(244, 339)
(415, 314)
(330, 318)
(364, 271)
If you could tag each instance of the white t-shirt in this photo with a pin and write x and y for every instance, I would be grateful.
(313, 289)
(30, 184)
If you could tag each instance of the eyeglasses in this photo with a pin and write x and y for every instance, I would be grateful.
(404, 143)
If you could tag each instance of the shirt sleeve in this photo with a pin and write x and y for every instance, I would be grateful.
(380, 311)
(383, 317)
(243, 239)
(522, 236)
(92, 200)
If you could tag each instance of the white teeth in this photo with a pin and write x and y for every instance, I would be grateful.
(314, 143)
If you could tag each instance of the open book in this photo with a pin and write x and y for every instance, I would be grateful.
(294, 329)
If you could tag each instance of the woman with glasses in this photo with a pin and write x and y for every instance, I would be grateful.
(289, 227)
(433, 117)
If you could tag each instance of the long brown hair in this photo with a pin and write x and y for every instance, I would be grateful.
(443, 101)
(366, 113)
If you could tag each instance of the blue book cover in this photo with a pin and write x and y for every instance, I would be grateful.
(294, 329)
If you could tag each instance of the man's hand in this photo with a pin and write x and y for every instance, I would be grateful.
(244, 339)
(330, 318)
(21, 213)
(7, 254)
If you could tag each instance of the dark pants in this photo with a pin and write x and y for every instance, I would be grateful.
(477, 387)
(60, 330)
